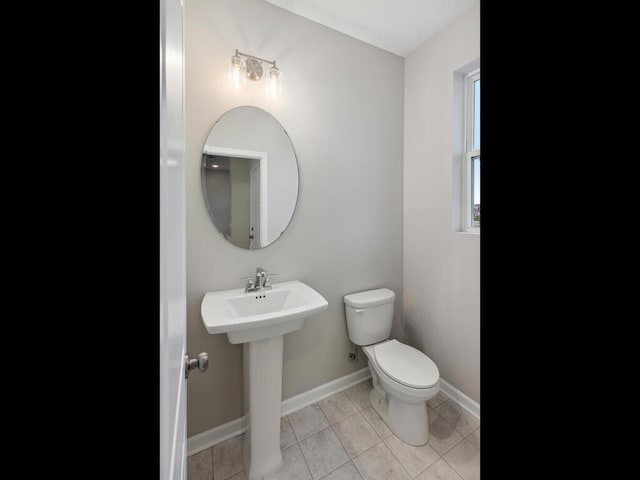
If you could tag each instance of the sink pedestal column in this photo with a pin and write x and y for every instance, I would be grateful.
(265, 396)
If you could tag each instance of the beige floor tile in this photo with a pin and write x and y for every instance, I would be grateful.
(475, 437)
(356, 434)
(200, 466)
(346, 472)
(227, 458)
(307, 421)
(238, 476)
(465, 459)
(378, 463)
(287, 437)
(442, 436)
(323, 452)
(413, 459)
(439, 470)
(336, 407)
(359, 393)
(376, 422)
(293, 467)
(437, 400)
(458, 417)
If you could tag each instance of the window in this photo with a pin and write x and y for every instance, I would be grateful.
(471, 155)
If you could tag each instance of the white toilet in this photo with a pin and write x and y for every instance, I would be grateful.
(403, 377)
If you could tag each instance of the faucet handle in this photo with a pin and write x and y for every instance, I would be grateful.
(250, 285)
(267, 281)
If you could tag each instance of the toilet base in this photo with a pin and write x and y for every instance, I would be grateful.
(379, 404)
(409, 422)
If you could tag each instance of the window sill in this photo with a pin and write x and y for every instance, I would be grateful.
(471, 231)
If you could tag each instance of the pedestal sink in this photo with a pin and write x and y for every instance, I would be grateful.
(261, 318)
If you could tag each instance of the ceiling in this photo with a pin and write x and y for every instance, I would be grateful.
(398, 26)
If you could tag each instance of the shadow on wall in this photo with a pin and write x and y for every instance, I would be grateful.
(308, 339)
(412, 334)
(397, 330)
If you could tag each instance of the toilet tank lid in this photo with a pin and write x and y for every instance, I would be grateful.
(370, 298)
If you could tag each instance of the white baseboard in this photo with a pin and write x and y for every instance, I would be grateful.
(456, 395)
(216, 435)
(314, 395)
(219, 434)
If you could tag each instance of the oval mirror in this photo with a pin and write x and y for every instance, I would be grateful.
(249, 175)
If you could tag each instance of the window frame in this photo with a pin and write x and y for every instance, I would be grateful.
(468, 152)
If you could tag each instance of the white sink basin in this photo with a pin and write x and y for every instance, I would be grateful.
(246, 317)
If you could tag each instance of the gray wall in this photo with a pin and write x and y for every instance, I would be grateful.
(218, 184)
(342, 105)
(441, 266)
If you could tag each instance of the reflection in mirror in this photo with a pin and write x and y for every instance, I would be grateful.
(249, 175)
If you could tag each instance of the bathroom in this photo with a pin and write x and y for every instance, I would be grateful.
(379, 144)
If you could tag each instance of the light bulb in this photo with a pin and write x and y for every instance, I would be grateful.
(236, 72)
(274, 83)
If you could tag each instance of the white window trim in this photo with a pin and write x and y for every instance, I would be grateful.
(467, 211)
(468, 153)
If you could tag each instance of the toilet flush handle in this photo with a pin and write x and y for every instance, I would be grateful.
(359, 310)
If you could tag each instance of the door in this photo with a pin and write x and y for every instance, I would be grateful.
(172, 247)
(254, 205)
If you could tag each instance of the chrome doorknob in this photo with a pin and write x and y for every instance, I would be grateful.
(201, 363)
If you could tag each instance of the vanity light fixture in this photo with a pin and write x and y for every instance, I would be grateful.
(252, 69)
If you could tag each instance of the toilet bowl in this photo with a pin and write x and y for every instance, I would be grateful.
(403, 377)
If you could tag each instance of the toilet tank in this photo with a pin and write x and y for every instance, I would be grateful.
(369, 315)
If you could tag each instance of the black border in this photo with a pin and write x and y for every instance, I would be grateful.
(102, 276)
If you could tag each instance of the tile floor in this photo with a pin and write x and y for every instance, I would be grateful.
(343, 438)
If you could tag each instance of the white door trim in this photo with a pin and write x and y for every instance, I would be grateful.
(264, 160)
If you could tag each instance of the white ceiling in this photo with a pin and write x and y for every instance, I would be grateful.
(398, 26)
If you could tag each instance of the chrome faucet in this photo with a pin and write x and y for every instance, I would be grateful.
(261, 277)
(261, 281)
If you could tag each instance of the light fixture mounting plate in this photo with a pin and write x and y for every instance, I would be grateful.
(254, 69)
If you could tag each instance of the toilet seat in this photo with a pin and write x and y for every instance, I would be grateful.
(406, 365)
